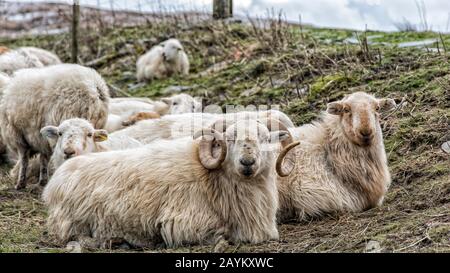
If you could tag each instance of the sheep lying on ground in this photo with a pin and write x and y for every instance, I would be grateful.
(176, 126)
(77, 136)
(341, 162)
(14, 60)
(181, 191)
(4, 79)
(74, 137)
(38, 97)
(127, 111)
(163, 61)
(44, 56)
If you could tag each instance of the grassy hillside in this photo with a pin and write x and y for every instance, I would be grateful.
(300, 69)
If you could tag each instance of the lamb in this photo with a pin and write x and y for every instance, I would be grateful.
(13, 60)
(179, 192)
(44, 56)
(37, 97)
(163, 61)
(127, 111)
(77, 136)
(341, 162)
(176, 126)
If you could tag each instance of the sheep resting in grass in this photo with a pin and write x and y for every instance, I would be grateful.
(77, 136)
(74, 137)
(127, 111)
(44, 56)
(13, 60)
(178, 192)
(176, 126)
(163, 61)
(341, 161)
(38, 97)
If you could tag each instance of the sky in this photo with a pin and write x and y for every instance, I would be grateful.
(352, 14)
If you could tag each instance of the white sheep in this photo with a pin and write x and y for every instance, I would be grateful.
(4, 79)
(13, 60)
(182, 191)
(127, 111)
(74, 137)
(44, 56)
(182, 125)
(163, 60)
(37, 97)
(341, 161)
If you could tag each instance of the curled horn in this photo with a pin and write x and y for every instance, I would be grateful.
(287, 145)
(281, 171)
(211, 138)
(270, 122)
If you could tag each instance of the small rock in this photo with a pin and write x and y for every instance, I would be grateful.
(373, 247)
(446, 147)
(73, 247)
(250, 92)
(176, 89)
(136, 86)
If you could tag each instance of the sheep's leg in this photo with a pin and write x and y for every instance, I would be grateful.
(24, 156)
(43, 170)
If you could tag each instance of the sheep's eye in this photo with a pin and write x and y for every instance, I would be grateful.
(377, 108)
(346, 110)
(175, 103)
(60, 134)
(89, 134)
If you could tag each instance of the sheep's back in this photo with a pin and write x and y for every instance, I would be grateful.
(39, 97)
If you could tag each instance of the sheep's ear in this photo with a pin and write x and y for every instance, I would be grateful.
(278, 136)
(50, 132)
(100, 135)
(335, 108)
(386, 104)
(167, 101)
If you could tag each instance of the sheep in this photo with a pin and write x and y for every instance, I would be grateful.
(13, 60)
(163, 60)
(44, 56)
(4, 79)
(341, 162)
(176, 126)
(125, 112)
(77, 136)
(183, 191)
(37, 97)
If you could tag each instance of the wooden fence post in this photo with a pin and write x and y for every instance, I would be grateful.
(222, 9)
(75, 23)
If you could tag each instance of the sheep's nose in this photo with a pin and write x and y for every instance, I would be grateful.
(247, 161)
(69, 152)
(366, 132)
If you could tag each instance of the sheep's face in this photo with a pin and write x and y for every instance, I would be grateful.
(73, 137)
(359, 116)
(171, 50)
(248, 147)
(182, 103)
